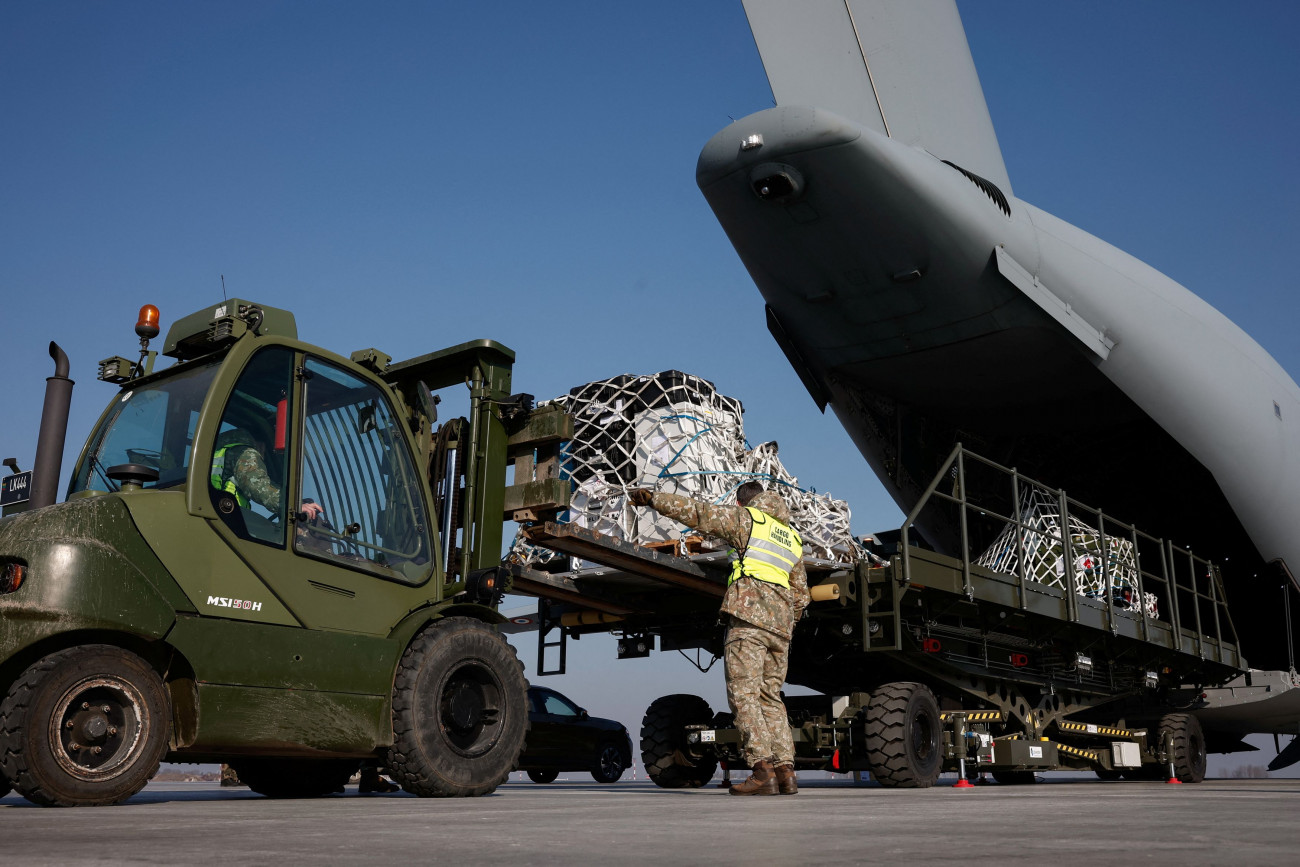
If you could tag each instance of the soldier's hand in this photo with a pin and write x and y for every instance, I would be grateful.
(640, 496)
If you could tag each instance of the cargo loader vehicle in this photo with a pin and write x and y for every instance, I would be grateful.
(1062, 639)
(336, 603)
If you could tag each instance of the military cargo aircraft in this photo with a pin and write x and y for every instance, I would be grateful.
(926, 305)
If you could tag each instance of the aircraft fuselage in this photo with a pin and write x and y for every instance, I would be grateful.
(927, 307)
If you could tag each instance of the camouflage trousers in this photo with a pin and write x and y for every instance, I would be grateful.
(756, 662)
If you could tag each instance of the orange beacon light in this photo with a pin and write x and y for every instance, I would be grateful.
(147, 325)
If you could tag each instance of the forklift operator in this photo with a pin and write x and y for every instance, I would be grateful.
(239, 469)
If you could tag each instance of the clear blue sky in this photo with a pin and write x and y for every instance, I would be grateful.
(410, 175)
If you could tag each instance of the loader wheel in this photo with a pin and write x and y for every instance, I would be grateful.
(5, 788)
(609, 764)
(1110, 775)
(543, 777)
(663, 742)
(903, 733)
(1015, 778)
(86, 726)
(460, 711)
(1189, 745)
(294, 778)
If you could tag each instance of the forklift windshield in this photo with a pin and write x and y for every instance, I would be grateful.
(151, 424)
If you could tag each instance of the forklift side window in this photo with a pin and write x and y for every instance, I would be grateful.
(151, 424)
(246, 481)
(357, 468)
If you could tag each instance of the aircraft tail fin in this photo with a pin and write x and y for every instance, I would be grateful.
(903, 69)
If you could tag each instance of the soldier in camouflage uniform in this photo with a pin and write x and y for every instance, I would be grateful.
(237, 463)
(760, 617)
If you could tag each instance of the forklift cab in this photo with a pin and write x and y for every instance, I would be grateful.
(284, 449)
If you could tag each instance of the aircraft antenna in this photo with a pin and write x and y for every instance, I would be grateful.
(223, 288)
(871, 78)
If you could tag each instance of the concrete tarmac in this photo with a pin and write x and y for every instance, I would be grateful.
(579, 822)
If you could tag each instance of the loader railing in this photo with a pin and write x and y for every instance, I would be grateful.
(1013, 525)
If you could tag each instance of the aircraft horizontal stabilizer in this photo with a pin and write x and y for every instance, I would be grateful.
(901, 69)
(1288, 757)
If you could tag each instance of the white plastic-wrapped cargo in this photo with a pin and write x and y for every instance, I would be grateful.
(1044, 553)
(674, 432)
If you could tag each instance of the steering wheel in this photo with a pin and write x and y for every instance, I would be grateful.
(337, 537)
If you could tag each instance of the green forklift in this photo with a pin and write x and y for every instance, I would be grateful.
(274, 557)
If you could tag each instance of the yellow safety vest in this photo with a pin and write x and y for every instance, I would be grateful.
(219, 480)
(774, 550)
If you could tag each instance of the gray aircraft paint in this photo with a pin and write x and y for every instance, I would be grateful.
(926, 98)
(892, 273)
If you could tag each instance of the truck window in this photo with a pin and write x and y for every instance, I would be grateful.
(356, 466)
(150, 424)
(248, 457)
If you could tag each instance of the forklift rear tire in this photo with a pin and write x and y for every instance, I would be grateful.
(460, 711)
(543, 777)
(1189, 745)
(294, 778)
(903, 733)
(86, 726)
(1110, 775)
(664, 751)
(5, 788)
(1015, 778)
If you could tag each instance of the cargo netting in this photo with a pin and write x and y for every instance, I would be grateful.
(674, 432)
(1045, 559)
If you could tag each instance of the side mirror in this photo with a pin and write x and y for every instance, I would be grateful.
(428, 403)
(582, 713)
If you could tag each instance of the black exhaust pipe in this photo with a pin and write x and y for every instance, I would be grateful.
(54, 430)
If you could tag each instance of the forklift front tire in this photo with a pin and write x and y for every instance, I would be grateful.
(459, 711)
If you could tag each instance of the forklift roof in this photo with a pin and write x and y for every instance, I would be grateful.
(204, 331)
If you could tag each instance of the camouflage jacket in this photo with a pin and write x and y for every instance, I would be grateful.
(760, 603)
(253, 482)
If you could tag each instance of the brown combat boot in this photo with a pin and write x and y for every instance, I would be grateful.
(761, 781)
(785, 779)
